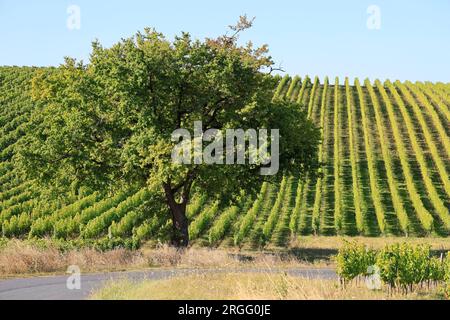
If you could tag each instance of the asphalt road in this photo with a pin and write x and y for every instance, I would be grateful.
(55, 287)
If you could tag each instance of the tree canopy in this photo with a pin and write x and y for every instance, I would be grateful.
(107, 124)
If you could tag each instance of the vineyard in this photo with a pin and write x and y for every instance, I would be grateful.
(403, 268)
(385, 171)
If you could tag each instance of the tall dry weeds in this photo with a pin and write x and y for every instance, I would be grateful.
(22, 257)
(18, 257)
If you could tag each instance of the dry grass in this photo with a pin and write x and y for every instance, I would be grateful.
(336, 242)
(23, 258)
(18, 257)
(165, 256)
(242, 286)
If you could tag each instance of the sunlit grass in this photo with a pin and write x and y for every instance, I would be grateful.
(244, 286)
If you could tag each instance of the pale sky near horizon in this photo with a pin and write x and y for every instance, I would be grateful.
(324, 38)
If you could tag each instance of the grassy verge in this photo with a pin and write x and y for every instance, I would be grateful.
(336, 242)
(23, 258)
(245, 286)
(45, 256)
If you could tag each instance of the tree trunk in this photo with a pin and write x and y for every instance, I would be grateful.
(180, 233)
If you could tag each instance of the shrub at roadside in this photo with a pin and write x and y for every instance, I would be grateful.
(354, 260)
(401, 267)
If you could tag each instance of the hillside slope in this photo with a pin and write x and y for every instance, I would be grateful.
(386, 169)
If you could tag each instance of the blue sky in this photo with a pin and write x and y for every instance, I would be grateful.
(307, 37)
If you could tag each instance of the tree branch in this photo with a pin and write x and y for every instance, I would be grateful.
(272, 69)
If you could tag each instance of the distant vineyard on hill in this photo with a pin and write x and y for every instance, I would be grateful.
(386, 169)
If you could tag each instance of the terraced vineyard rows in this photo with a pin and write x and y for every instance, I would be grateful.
(386, 171)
